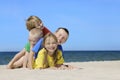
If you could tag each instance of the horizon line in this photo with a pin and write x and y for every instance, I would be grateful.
(67, 50)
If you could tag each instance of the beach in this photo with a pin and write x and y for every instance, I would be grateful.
(95, 70)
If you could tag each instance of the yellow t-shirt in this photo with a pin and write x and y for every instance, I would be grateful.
(44, 60)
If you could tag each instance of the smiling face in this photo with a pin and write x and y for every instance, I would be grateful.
(34, 35)
(39, 25)
(34, 22)
(50, 43)
(61, 35)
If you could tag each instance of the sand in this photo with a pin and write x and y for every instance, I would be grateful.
(98, 70)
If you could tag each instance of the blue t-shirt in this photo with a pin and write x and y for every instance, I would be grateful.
(39, 46)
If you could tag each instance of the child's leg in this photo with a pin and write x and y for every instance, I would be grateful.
(25, 60)
(15, 58)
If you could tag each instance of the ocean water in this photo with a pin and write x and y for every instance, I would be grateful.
(73, 56)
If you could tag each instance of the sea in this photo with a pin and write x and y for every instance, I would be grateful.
(72, 56)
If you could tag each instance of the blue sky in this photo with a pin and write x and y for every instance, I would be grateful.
(93, 24)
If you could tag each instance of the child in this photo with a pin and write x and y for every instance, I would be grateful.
(34, 36)
(32, 22)
(49, 56)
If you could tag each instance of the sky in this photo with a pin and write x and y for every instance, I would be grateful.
(92, 24)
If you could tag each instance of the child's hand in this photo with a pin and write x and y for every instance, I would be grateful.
(67, 67)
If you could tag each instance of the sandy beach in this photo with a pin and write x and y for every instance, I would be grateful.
(98, 70)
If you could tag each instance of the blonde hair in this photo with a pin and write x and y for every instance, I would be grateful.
(49, 35)
(56, 51)
(31, 22)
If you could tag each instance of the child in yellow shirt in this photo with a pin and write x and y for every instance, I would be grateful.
(49, 56)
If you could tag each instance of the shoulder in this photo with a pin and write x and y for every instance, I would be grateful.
(42, 51)
(45, 31)
(59, 52)
(60, 47)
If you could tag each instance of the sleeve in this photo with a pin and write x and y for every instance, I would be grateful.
(45, 31)
(61, 49)
(39, 60)
(60, 59)
(27, 47)
(37, 46)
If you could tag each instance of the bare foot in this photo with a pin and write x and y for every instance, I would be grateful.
(9, 66)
